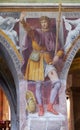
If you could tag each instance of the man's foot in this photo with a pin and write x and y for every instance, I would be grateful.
(41, 110)
(51, 109)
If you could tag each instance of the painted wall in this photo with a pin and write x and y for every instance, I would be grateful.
(38, 85)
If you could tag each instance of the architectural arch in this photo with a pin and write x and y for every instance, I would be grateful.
(10, 74)
(71, 90)
(8, 89)
(10, 52)
(69, 58)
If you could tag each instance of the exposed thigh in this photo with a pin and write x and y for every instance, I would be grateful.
(53, 76)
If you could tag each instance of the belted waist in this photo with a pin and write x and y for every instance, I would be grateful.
(41, 51)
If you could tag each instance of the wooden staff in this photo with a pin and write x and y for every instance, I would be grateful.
(57, 28)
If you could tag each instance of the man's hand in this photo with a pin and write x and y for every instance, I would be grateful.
(55, 59)
(23, 14)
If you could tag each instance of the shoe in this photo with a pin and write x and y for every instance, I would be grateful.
(41, 110)
(51, 109)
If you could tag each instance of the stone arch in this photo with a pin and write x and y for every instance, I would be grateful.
(64, 76)
(11, 63)
(7, 45)
(6, 87)
(69, 59)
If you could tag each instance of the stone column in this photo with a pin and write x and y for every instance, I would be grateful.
(22, 109)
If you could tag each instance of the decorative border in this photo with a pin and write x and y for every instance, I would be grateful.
(70, 58)
(11, 49)
(39, 7)
(11, 44)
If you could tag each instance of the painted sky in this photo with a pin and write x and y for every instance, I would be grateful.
(40, 1)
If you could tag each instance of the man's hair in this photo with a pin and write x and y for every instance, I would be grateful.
(44, 18)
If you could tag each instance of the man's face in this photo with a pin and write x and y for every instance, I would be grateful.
(44, 24)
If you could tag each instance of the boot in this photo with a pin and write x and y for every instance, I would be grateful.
(41, 110)
(51, 109)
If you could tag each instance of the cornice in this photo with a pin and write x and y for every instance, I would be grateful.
(65, 7)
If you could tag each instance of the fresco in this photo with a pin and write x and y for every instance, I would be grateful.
(38, 39)
(72, 32)
(7, 26)
(43, 55)
(41, 58)
(35, 36)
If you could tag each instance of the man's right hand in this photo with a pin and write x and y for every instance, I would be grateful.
(23, 14)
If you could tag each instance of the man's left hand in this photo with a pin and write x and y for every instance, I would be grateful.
(55, 59)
